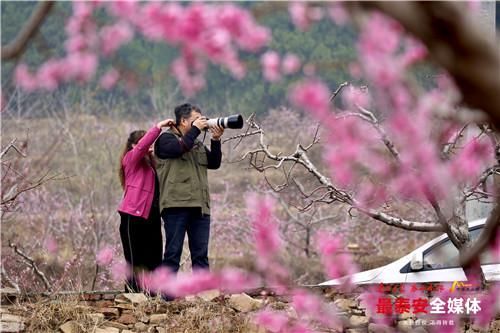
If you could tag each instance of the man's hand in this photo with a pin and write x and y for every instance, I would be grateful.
(216, 132)
(201, 123)
(166, 123)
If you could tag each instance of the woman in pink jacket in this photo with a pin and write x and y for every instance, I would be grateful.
(140, 228)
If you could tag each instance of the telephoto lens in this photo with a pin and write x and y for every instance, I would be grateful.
(234, 122)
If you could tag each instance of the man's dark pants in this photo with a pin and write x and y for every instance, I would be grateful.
(178, 222)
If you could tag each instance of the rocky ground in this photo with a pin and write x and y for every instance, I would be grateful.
(115, 312)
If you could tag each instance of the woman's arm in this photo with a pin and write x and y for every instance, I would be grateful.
(142, 147)
(140, 150)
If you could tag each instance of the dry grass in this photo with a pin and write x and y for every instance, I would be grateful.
(200, 316)
(47, 315)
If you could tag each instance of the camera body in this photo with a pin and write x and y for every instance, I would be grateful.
(234, 122)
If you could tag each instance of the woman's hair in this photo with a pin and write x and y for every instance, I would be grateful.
(133, 139)
(183, 111)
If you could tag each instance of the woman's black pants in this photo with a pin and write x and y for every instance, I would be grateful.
(142, 245)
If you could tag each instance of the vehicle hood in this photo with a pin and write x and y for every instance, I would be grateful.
(385, 274)
(357, 278)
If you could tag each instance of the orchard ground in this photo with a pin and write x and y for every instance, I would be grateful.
(75, 216)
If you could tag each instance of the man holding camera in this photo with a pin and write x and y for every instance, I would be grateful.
(182, 165)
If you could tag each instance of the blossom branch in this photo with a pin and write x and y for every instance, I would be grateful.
(376, 124)
(450, 146)
(481, 183)
(453, 38)
(331, 192)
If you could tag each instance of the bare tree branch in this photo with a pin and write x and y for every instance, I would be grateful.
(327, 192)
(339, 88)
(494, 170)
(383, 135)
(30, 262)
(401, 223)
(40, 182)
(7, 278)
(450, 146)
(370, 117)
(13, 146)
(16, 47)
(240, 136)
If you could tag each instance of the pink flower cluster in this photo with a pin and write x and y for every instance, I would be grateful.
(408, 121)
(203, 32)
(273, 67)
(105, 256)
(79, 66)
(267, 238)
(355, 97)
(268, 242)
(51, 245)
(114, 36)
(310, 310)
(338, 13)
(336, 262)
(80, 62)
(272, 321)
(313, 308)
(110, 78)
(302, 14)
(183, 284)
(470, 160)
(313, 96)
(490, 306)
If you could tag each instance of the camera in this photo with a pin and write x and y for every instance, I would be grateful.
(234, 122)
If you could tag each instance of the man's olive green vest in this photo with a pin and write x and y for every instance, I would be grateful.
(183, 180)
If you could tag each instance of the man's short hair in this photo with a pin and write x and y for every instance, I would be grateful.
(183, 111)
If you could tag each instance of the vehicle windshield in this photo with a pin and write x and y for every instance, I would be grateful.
(445, 255)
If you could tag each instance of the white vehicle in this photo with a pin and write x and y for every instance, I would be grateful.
(436, 261)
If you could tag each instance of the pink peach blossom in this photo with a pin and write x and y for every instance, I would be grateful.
(272, 321)
(110, 78)
(51, 245)
(354, 97)
(105, 256)
(291, 64)
(267, 239)
(338, 14)
(114, 36)
(270, 62)
(298, 14)
(313, 96)
(120, 270)
(24, 78)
